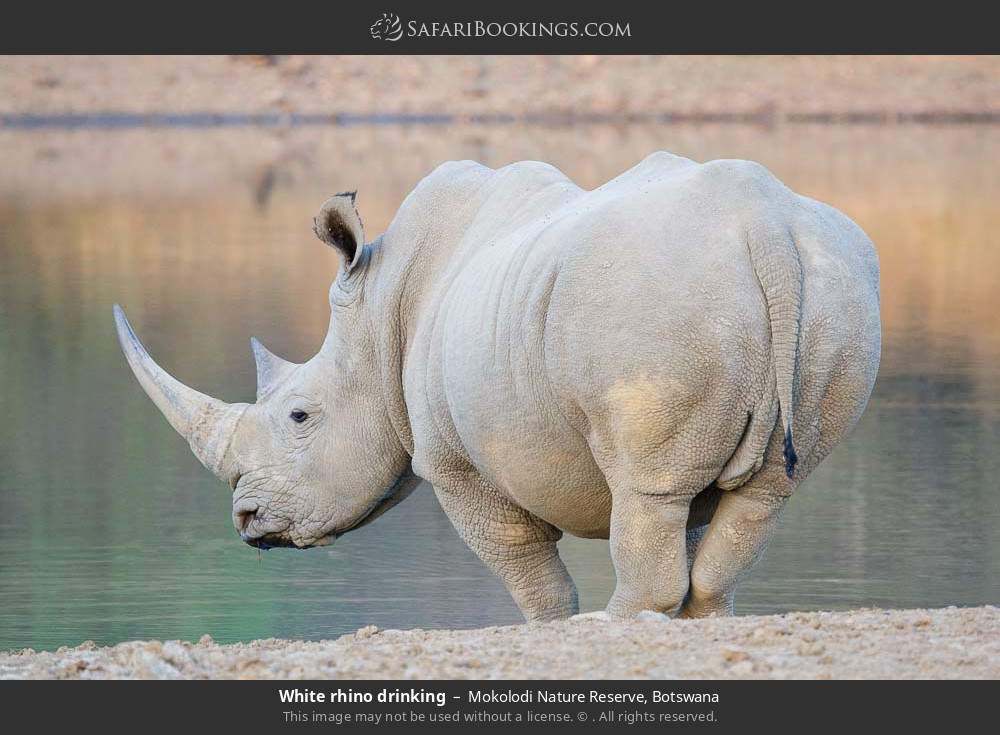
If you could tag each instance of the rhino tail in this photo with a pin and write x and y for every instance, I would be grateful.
(776, 263)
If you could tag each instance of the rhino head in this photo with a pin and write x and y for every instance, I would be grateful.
(316, 454)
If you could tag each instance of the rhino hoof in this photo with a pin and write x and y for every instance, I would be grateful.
(595, 615)
(651, 616)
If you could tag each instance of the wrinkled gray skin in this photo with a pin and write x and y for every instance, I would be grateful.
(640, 362)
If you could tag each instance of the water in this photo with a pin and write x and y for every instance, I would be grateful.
(111, 530)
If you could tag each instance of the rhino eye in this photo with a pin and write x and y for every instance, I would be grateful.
(298, 416)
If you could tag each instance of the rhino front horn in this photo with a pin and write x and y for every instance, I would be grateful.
(207, 423)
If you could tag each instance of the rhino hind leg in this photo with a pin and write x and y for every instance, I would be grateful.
(735, 539)
(700, 515)
(649, 540)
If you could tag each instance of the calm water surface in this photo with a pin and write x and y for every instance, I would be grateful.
(111, 530)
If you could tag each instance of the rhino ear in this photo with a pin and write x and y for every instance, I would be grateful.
(271, 369)
(339, 226)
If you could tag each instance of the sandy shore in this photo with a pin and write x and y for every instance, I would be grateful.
(959, 643)
(500, 85)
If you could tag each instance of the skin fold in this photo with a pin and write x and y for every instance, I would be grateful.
(659, 361)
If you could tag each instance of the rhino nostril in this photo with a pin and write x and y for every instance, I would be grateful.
(243, 519)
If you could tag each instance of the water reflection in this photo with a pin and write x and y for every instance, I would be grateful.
(111, 530)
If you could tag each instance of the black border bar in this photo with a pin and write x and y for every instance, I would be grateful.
(738, 706)
(655, 27)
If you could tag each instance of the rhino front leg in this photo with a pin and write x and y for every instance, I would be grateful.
(517, 546)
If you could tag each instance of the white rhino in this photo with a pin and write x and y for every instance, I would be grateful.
(659, 361)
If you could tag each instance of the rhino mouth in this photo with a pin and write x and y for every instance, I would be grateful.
(283, 540)
(399, 491)
(272, 542)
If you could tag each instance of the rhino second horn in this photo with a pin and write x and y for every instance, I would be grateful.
(208, 424)
(271, 369)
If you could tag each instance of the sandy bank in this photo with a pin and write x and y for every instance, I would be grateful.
(499, 85)
(949, 643)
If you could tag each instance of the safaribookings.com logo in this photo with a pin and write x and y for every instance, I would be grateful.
(390, 28)
(387, 28)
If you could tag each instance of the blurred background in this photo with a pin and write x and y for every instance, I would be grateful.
(183, 188)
